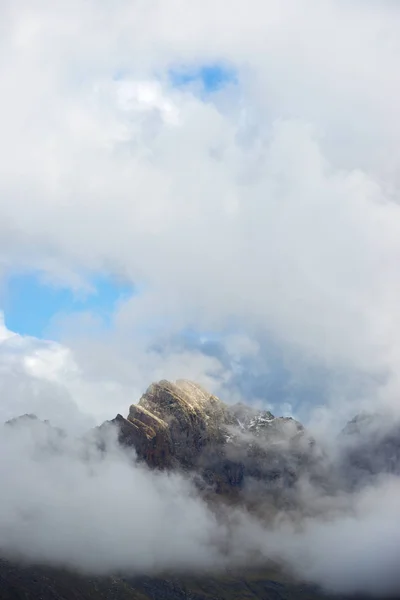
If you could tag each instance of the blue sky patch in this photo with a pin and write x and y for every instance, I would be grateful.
(211, 77)
(30, 304)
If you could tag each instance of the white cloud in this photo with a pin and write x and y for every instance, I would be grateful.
(77, 388)
(34, 377)
(111, 514)
(274, 202)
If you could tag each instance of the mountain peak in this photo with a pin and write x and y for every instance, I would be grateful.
(182, 426)
(28, 417)
(180, 418)
(166, 398)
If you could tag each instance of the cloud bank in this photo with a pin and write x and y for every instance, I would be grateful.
(268, 206)
(67, 503)
(264, 216)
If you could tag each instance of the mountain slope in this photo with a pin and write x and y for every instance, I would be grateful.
(34, 583)
(181, 426)
(236, 455)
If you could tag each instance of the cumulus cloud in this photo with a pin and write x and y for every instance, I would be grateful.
(109, 513)
(66, 502)
(265, 212)
(76, 388)
(272, 202)
(348, 546)
(33, 379)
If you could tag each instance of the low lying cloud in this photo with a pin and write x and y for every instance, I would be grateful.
(111, 514)
(347, 546)
(66, 502)
(270, 204)
(265, 213)
(86, 384)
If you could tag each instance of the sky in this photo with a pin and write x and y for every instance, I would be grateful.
(207, 191)
(236, 177)
(30, 301)
(30, 304)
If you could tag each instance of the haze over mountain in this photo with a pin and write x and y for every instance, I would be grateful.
(201, 191)
(189, 485)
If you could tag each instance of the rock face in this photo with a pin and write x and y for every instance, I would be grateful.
(181, 425)
(371, 446)
(235, 453)
(22, 582)
(173, 423)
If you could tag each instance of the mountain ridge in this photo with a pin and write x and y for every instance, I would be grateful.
(234, 454)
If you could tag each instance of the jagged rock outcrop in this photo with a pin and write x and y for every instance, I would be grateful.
(27, 418)
(50, 434)
(173, 423)
(237, 450)
(370, 446)
(181, 425)
(151, 443)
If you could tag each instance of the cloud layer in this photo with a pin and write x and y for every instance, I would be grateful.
(66, 503)
(264, 216)
(271, 203)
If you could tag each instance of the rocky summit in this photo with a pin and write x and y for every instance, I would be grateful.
(174, 422)
(235, 454)
(241, 453)
(182, 426)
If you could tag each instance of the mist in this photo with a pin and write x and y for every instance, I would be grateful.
(68, 502)
(64, 502)
(257, 223)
